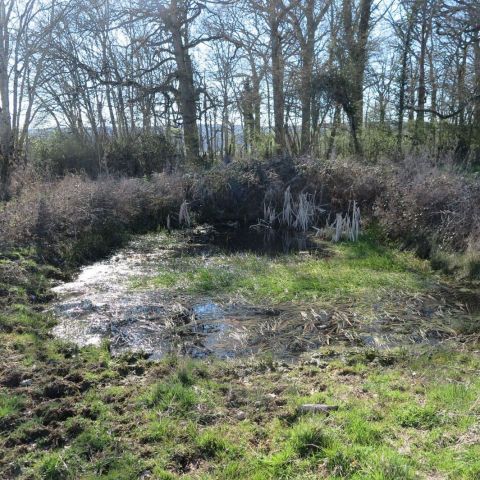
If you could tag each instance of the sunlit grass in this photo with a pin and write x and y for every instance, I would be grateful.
(349, 271)
(400, 419)
(10, 404)
(402, 414)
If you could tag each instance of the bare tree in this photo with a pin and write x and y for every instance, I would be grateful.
(306, 19)
(25, 34)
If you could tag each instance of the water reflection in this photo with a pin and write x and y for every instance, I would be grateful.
(265, 241)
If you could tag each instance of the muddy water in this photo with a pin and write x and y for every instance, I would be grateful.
(101, 304)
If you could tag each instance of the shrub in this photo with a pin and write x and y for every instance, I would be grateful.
(136, 155)
(236, 192)
(140, 154)
(60, 153)
(424, 204)
(78, 219)
(337, 183)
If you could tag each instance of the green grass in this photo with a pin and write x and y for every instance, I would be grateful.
(308, 437)
(52, 467)
(421, 417)
(350, 270)
(462, 265)
(173, 394)
(10, 404)
(398, 418)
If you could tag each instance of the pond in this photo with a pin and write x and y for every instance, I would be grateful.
(142, 299)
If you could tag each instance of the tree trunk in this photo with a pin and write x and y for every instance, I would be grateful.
(463, 137)
(422, 90)
(333, 133)
(256, 103)
(403, 77)
(186, 97)
(6, 133)
(277, 87)
(307, 54)
(356, 39)
(248, 110)
(475, 155)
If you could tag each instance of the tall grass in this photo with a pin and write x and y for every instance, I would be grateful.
(299, 215)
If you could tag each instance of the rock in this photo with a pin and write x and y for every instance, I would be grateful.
(26, 383)
(241, 415)
(317, 407)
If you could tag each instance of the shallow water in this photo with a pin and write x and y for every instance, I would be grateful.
(101, 304)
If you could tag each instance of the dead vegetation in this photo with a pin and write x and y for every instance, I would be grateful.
(421, 204)
(78, 219)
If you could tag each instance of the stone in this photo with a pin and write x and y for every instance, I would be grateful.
(241, 415)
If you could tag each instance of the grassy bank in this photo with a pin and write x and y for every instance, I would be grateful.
(397, 418)
(423, 204)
